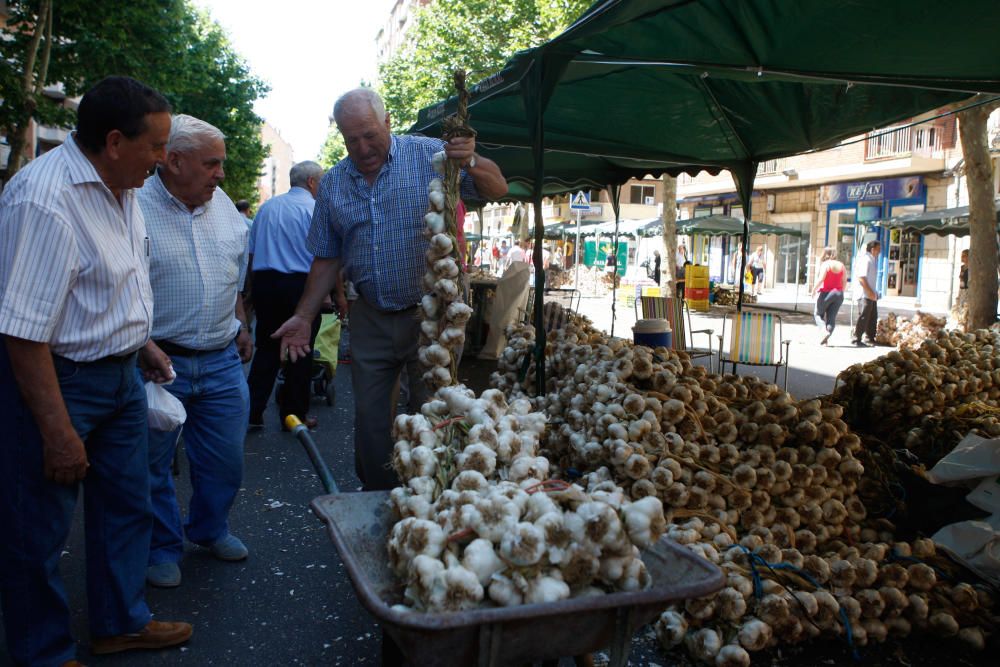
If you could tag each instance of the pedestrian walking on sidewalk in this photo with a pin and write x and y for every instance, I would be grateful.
(756, 264)
(831, 280)
(865, 295)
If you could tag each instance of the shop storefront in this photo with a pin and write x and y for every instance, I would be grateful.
(851, 209)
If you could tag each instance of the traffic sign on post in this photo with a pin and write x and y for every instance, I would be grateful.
(580, 201)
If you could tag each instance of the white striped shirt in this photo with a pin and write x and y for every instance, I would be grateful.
(72, 269)
(197, 263)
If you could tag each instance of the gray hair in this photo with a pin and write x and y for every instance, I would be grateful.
(188, 133)
(301, 172)
(359, 94)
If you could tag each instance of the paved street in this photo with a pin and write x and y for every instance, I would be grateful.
(290, 602)
(813, 368)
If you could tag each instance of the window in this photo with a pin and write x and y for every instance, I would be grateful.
(925, 137)
(642, 194)
(771, 167)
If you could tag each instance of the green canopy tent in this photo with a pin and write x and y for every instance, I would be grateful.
(726, 83)
(568, 172)
(724, 225)
(943, 222)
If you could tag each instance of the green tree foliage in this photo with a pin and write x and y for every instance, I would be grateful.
(167, 44)
(333, 149)
(475, 35)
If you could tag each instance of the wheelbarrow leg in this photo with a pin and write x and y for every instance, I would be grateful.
(622, 642)
(489, 644)
(392, 656)
(578, 660)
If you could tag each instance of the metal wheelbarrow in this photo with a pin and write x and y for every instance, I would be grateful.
(359, 525)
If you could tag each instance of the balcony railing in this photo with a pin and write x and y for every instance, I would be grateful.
(916, 140)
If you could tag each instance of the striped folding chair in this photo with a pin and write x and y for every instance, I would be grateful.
(755, 339)
(676, 313)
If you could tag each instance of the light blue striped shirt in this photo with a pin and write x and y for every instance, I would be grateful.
(377, 229)
(197, 263)
(278, 236)
(72, 269)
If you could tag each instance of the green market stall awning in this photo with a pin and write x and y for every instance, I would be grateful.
(729, 82)
(943, 222)
(726, 83)
(724, 225)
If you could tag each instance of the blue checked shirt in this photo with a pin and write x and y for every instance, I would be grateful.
(376, 230)
(197, 263)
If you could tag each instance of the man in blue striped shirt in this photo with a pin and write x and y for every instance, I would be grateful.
(369, 219)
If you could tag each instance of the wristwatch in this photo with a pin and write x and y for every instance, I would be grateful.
(472, 162)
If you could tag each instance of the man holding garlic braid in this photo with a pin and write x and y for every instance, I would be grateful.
(369, 218)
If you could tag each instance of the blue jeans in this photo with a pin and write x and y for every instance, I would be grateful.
(827, 306)
(213, 389)
(107, 406)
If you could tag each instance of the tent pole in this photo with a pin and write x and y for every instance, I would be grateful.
(798, 265)
(744, 175)
(536, 107)
(576, 263)
(615, 192)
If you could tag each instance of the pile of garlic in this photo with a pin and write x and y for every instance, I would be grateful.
(443, 314)
(737, 448)
(739, 464)
(482, 522)
(863, 594)
(905, 332)
(926, 399)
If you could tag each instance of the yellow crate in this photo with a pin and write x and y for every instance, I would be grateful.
(651, 291)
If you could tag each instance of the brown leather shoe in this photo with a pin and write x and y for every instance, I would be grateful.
(156, 634)
(73, 663)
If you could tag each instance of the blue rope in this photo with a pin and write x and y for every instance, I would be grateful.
(849, 632)
(754, 559)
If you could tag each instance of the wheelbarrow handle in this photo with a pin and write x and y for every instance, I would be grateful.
(299, 430)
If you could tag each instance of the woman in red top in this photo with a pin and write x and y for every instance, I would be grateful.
(831, 280)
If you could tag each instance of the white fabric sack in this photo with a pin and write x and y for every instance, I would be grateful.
(510, 301)
(974, 457)
(166, 412)
(975, 544)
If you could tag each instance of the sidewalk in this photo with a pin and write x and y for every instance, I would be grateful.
(812, 368)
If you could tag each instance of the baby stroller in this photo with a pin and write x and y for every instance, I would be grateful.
(324, 364)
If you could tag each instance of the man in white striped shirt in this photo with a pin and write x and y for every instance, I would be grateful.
(75, 310)
(198, 248)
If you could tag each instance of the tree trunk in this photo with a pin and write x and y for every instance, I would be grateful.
(32, 85)
(982, 217)
(668, 263)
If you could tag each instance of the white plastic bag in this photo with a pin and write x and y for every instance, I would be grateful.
(975, 544)
(971, 459)
(166, 412)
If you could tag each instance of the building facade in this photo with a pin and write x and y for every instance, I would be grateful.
(393, 32)
(274, 171)
(837, 198)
